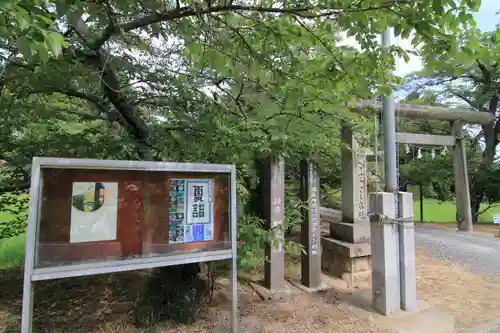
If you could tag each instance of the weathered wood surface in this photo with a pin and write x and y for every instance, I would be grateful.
(425, 139)
(414, 111)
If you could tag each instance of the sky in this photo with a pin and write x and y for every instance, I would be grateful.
(486, 20)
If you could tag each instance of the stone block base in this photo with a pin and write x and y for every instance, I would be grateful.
(350, 232)
(351, 262)
(267, 295)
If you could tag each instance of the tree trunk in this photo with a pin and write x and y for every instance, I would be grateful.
(476, 198)
(257, 194)
(491, 132)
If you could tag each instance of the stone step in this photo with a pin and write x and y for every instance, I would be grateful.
(358, 232)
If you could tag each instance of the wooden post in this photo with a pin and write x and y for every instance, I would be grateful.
(274, 205)
(462, 194)
(309, 231)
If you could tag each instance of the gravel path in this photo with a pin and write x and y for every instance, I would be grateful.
(478, 253)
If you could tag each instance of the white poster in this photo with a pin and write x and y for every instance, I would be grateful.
(191, 210)
(199, 202)
(94, 212)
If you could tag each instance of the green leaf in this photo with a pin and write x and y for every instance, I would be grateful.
(55, 42)
(437, 6)
(24, 47)
(23, 22)
(406, 57)
(497, 36)
(397, 30)
(41, 51)
(38, 36)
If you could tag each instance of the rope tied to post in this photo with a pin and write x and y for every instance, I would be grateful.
(384, 219)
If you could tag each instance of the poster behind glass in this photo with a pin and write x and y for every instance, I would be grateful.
(94, 211)
(106, 215)
(191, 210)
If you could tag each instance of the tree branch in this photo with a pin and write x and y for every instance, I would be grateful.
(468, 101)
(485, 209)
(77, 94)
(84, 116)
(183, 12)
(486, 73)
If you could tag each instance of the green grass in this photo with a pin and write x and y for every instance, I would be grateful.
(12, 251)
(444, 211)
(6, 216)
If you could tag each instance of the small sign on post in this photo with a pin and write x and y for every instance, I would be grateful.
(496, 220)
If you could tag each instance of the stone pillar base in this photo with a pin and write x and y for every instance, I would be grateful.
(351, 262)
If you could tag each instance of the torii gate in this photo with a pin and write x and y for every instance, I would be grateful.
(456, 117)
(353, 245)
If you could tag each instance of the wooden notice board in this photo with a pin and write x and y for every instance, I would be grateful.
(141, 216)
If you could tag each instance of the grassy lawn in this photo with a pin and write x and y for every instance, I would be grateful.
(444, 211)
(12, 251)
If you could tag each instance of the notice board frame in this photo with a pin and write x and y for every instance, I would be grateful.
(32, 274)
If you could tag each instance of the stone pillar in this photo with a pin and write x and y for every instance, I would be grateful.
(354, 179)
(462, 192)
(407, 271)
(346, 252)
(309, 231)
(386, 297)
(274, 205)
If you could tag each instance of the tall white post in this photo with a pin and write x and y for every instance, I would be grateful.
(408, 275)
(386, 297)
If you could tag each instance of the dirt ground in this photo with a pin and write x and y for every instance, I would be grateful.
(104, 303)
(479, 229)
(472, 298)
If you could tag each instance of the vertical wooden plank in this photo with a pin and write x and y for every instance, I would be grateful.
(462, 193)
(309, 231)
(274, 266)
(31, 244)
(234, 267)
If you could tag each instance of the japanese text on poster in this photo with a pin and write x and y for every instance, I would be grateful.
(191, 211)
